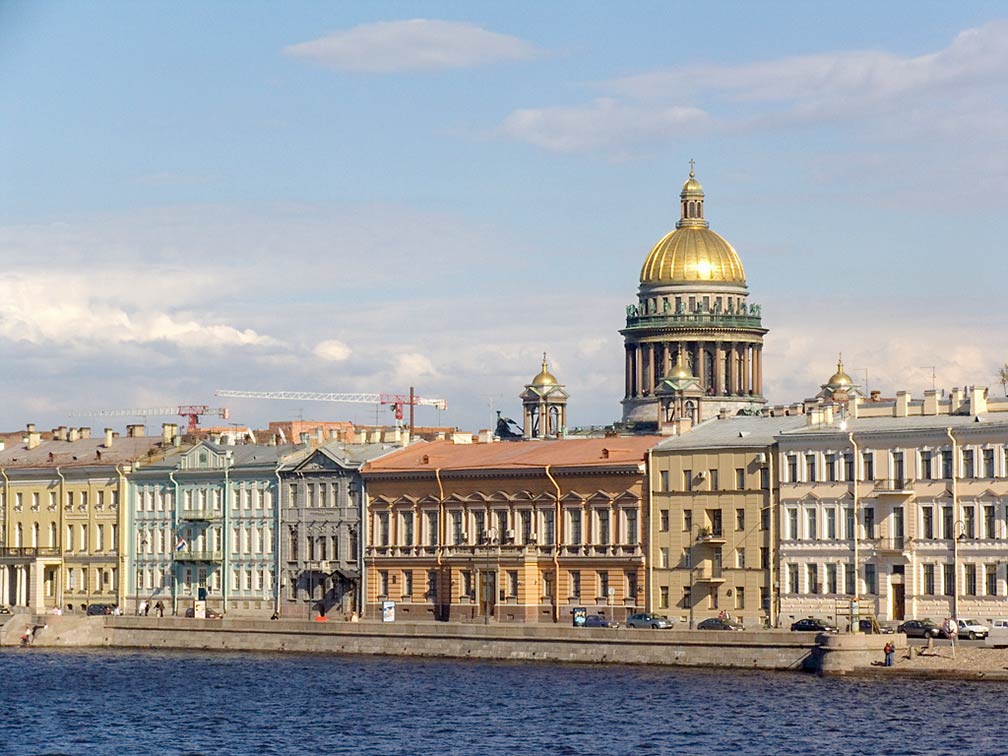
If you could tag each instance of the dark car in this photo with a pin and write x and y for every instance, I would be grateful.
(869, 626)
(596, 621)
(210, 613)
(95, 610)
(919, 629)
(716, 623)
(812, 625)
(646, 619)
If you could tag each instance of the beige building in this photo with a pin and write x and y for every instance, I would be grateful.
(62, 528)
(901, 504)
(711, 529)
(520, 531)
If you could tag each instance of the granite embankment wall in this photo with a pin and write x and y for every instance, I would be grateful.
(751, 649)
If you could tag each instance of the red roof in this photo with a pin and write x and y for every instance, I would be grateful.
(514, 455)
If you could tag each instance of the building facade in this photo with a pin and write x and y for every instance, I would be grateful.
(322, 503)
(522, 531)
(901, 505)
(693, 310)
(62, 521)
(711, 533)
(204, 524)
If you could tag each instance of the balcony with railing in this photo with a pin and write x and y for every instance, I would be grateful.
(199, 515)
(708, 573)
(893, 487)
(712, 535)
(185, 555)
(750, 318)
(28, 552)
(893, 544)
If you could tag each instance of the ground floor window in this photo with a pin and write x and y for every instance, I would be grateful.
(929, 579)
(739, 597)
(663, 597)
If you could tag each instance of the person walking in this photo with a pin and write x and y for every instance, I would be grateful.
(159, 607)
(143, 608)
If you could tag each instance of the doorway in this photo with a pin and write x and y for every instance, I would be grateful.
(488, 593)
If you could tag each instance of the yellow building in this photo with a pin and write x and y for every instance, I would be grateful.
(519, 531)
(61, 542)
(711, 531)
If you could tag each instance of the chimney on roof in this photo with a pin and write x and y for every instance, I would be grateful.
(135, 430)
(304, 438)
(74, 435)
(34, 437)
(166, 433)
(333, 434)
(978, 400)
(486, 436)
(902, 408)
(108, 438)
(60, 434)
(85, 432)
(31, 427)
(930, 402)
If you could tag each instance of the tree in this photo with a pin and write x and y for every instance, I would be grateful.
(1003, 377)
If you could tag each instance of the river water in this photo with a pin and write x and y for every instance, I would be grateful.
(188, 703)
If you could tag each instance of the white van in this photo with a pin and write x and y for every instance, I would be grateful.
(998, 633)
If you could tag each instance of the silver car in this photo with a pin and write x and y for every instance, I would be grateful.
(646, 619)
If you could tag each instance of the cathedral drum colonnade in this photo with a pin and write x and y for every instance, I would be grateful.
(692, 313)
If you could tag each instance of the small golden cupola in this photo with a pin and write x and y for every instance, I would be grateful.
(544, 403)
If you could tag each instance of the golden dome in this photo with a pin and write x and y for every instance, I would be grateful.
(692, 252)
(545, 377)
(840, 378)
(679, 371)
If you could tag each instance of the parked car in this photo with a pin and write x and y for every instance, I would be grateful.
(646, 619)
(210, 613)
(596, 621)
(95, 610)
(813, 625)
(869, 625)
(716, 623)
(972, 629)
(4, 609)
(924, 628)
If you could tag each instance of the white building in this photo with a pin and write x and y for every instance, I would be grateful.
(923, 485)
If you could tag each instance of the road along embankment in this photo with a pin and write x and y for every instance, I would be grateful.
(755, 649)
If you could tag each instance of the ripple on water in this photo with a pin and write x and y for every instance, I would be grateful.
(205, 704)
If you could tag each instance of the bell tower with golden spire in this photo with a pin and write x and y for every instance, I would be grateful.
(693, 310)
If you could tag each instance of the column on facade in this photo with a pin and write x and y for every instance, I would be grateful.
(758, 353)
(4, 587)
(648, 369)
(667, 358)
(718, 368)
(733, 369)
(22, 585)
(637, 371)
(628, 373)
(747, 369)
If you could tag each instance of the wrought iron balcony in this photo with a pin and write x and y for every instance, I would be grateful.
(199, 515)
(692, 319)
(185, 555)
(28, 551)
(894, 486)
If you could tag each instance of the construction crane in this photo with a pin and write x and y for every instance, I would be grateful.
(190, 411)
(398, 401)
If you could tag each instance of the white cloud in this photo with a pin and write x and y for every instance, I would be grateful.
(412, 365)
(332, 350)
(958, 89)
(414, 45)
(65, 308)
(601, 123)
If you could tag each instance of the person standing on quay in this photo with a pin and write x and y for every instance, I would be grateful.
(142, 609)
(159, 607)
(890, 654)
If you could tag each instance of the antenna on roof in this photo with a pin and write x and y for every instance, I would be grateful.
(932, 369)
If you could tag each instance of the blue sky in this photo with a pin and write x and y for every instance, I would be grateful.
(361, 197)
